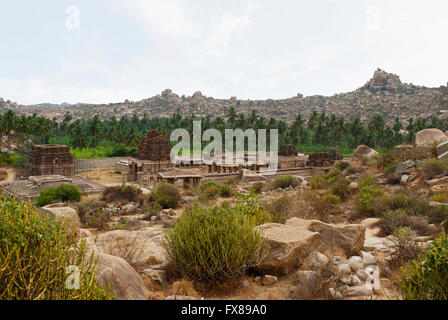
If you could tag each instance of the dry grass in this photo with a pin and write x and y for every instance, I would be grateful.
(103, 176)
(315, 206)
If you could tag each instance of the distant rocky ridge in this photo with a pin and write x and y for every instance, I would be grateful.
(384, 94)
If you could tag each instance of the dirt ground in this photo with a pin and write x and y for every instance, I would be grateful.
(103, 176)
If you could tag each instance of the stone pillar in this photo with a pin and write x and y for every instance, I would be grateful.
(124, 179)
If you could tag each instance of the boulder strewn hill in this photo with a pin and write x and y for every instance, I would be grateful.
(384, 94)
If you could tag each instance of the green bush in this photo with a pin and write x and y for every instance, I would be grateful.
(63, 193)
(333, 199)
(367, 197)
(340, 188)
(13, 160)
(366, 180)
(434, 167)
(122, 150)
(318, 182)
(426, 278)
(208, 190)
(252, 207)
(215, 244)
(226, 191)
(34, 255)
(166, 195)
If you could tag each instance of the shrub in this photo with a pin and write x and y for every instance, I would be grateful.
(284, 182)
(366, 198)
(318, 182)
(166, 195)
(333, 199)
(366, 180)
(313, 206)
(226, 191)
(153, 210)
(342, 165)
(34, 255)
(434, 167)
(251, 206)
(280, 208)
(127, 194)
(340, 188)
(209, 189)
(215, 244)
(411, 203)
(92, 216)
(122, 150)
(392, 220)
(63, 193)
(405, 249)
(257, 188)
(390, 169)
(440, 197)
(426, 278)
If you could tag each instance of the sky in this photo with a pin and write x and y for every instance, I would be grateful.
(102, 51)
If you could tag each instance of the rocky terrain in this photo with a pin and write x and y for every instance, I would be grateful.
(384, 94)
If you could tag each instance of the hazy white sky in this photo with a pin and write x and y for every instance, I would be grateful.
(104, 51)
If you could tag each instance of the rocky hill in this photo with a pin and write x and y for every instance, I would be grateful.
(384, 94)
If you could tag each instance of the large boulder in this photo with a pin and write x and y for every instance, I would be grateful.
(427, 137)
(141, 248)
(61, 213)
(289, 245)
(346, 239)
(363, 151)
(293, 242)
(124, 281)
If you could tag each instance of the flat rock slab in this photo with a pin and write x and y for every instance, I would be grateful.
(292, 242)
(31, 188)
(289, 245)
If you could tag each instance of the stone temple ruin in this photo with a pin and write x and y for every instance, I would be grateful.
(287, 150)
(52, 160)
(152, 158)
(153, 165)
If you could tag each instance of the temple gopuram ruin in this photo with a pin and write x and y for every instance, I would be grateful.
(154, 155)
(52, 160)
(155, 147)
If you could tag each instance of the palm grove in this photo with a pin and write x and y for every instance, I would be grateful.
(111, 137)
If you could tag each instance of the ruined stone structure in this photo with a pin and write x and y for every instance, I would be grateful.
(52, 160)
(324, 159)
(155, 147)
(153, 156)
(287, 150)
